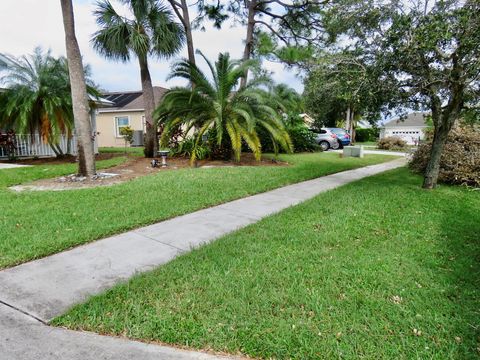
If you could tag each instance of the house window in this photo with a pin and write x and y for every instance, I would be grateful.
(120, 122)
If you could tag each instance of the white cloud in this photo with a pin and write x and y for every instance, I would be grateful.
(25, 24)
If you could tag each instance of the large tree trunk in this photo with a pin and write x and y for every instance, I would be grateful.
(184, 18)
(348, 118)
(81, 109)
(247, 52)
(188, 31)
(433, 167)
(151, 142)
(351, 130)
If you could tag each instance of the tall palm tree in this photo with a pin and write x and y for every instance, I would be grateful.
(81, 109)
(150, 31)
(217, 107)
(38, 96)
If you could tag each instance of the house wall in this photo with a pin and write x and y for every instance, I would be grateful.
(106, 127)
(410, 134)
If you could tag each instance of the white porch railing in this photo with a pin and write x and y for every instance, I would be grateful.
(32, 145)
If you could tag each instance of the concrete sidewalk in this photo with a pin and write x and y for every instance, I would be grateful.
(23, 338)
(48, 287)
(379, 152)
(11, 166)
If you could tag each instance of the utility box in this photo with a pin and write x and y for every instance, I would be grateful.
(353, 151)
(138, 138)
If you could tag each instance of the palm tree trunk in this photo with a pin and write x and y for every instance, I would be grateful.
(81, 109)
(69, 143)
(247, 51)
(151, 143)
(54, 149)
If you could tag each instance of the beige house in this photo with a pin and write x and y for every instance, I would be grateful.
(127, 110)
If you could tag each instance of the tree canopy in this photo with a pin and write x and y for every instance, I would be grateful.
(425, 52)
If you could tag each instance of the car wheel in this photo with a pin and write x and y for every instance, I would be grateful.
(336, 145)
(324, 145)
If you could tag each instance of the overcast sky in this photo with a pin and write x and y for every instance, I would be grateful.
(25, 24)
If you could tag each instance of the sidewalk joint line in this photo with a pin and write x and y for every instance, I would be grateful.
(158, 241)
(24, 312)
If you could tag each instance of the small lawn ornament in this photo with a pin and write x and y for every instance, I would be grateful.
(163, 154)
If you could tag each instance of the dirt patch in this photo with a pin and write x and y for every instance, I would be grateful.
(133, 168)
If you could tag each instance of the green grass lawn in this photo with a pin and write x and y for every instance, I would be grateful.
(394, 275)
(36, 224)
(366, 143)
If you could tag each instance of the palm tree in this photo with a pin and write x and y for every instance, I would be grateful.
(218, 108)
(81, 109)
(286, 99)
(150, 31)
(38, 96)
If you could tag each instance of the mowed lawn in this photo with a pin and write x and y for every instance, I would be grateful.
(36, 224)
(394, 273)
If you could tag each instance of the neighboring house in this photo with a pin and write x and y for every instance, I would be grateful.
(411, 128)
(127, 110)
(307, 119)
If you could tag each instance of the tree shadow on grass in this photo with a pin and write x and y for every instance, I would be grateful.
(460, 269)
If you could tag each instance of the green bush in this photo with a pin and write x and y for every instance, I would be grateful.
(127, 133)
(392, 143)
(460, 161)
(364, 135)
(187, 148)
(302, 138)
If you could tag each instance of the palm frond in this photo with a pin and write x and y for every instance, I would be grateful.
(216, 104)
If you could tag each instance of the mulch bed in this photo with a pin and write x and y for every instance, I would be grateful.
(133, 168)
(67, 159)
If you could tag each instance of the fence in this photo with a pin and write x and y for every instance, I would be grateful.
(32, 145)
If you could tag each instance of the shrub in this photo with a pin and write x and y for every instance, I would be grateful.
(460, 161)
(8, 142)
(127, 133)
(187, 148)
(302, 138)
(391, 143)
(364, 135)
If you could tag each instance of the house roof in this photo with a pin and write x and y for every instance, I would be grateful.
(131, 100)
(415, 119)
(307, 119)
(100, 101)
